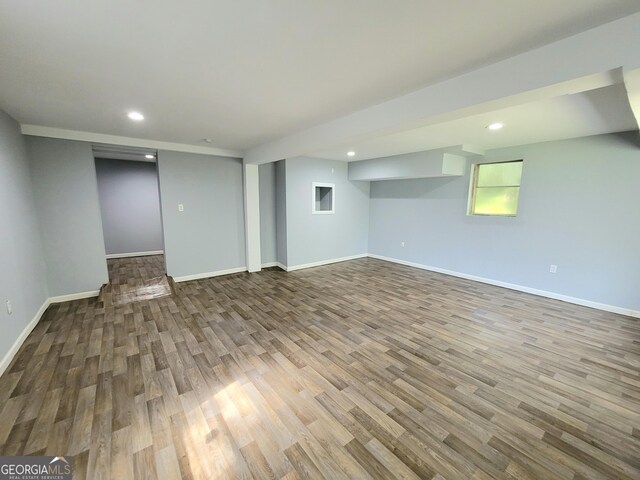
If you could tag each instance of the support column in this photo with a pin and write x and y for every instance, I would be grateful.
(252, 217)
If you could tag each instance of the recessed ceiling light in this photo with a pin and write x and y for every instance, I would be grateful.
(137, 116)
(149, 156)
(351, 154)
(495, 126)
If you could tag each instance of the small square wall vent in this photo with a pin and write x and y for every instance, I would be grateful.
(323, 198)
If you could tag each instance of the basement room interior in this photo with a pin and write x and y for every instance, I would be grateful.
(320, 240)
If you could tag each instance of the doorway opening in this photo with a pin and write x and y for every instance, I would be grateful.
(129, 195)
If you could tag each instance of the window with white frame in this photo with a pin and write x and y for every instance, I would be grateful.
(495, 188)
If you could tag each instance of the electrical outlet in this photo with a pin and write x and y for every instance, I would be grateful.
(553, 268)
(9, 307)
(402, 244)
(180, 207)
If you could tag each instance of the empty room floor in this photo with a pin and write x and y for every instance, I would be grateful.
(135, 269)
(132, 279)
(363, 369)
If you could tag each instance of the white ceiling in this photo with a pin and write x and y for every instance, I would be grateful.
(603, 110)
(245, 72)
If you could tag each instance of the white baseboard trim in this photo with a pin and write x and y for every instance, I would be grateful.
(324, 262)
(6, 360)
(274, 264)
(135, 254)
(199, 276)
(74, 296)
(519, 288)
(8, 357)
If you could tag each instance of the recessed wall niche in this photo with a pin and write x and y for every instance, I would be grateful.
(323, 198)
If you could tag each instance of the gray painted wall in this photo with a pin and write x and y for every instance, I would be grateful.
(577, 210)
(268, 247)
(22, 268)
(281, 212)
(208, 236)
(66, 195)
(313, 238)
(129, 206)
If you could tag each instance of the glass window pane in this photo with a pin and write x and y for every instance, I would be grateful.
(499, 174)
(496, 201)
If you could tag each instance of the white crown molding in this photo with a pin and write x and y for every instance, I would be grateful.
(40, 131)
(520, 288)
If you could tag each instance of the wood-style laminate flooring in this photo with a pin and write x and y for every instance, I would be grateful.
(132, 270)
(363, 369)
(133, 279)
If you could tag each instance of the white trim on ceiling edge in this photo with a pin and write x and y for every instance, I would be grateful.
(135, 254)
(40, 131)
(519, 288)
(8, 358)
